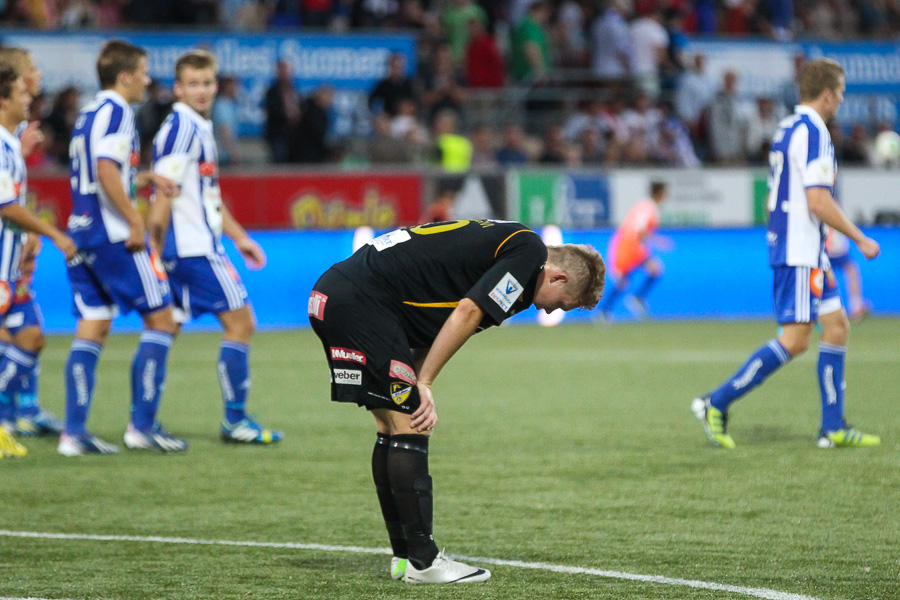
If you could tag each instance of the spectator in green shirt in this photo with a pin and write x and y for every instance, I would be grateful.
(456, 25)
(531, 45)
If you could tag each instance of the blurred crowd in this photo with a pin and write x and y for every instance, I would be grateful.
(607, 82)
(780, 19)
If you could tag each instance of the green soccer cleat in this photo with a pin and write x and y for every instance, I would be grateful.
(848, 437)
(398, 567)
(715, 422)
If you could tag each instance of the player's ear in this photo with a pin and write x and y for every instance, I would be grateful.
(561, 276)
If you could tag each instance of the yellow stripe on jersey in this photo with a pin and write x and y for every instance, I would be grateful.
(507, 239)
(432, 304)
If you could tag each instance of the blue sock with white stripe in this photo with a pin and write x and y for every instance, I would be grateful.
(762, 363)
(27, 400)
(15, 368)
(80, 369)
(234, 379)
(831, 385)
(148, 377)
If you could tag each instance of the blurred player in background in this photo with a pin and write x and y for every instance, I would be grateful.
(200, 274)
(18, 362)
(31, 419)
(393, 314)
(114, 270)
(838, 247)
(631, 248)
(801, 204)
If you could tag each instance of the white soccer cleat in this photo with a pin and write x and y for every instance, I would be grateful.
(80, 445)
(157, 439)
(444, 570)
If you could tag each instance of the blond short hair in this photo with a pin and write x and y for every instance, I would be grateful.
(195, 59)
(586, 271)
(819, 75)
(15, 57)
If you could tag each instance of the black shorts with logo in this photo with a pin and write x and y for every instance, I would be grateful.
(368, 352)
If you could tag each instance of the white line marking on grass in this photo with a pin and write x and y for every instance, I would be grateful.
(765, 593)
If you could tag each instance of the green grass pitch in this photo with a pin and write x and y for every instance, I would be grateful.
(568, 446)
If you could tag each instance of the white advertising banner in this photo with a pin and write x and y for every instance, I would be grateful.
(697, 197)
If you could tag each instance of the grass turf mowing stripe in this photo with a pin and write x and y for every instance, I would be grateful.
(765, 593)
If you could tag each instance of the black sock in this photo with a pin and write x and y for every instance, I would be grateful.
(385, 497)
(411, 486)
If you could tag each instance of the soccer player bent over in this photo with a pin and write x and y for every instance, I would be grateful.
(801, 204)
(18, 362)
(430, 288)
(200, 274)
(114, 270)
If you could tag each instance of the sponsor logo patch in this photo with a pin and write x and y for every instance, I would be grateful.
(400, 392)
(208, 169)
(506, 292)
(817, 282)
(316, 306)
(347, 377)
(403, 371)
(389, 239)
(347, 354)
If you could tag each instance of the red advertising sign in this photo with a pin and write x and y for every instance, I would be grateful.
(287, 201)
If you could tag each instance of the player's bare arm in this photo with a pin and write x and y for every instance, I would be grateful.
(145, 178)
(251, 251)
(823, 205)
(158, 218)
(27, 220)
(109, 176)
(459, 327)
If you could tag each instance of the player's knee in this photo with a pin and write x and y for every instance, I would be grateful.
(795, 345)
(31, 340)
(836, 330)
(161, 320)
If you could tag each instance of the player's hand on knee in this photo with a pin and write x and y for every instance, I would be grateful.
(425, 417)
(135, 241)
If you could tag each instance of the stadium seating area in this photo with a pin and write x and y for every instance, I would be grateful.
(523, 81)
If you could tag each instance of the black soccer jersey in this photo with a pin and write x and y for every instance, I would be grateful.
(423, 272)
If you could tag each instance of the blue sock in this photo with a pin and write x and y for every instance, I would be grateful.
(80, 369)
(831, 385)
(16, 367)
(27, 400)
(234, 379)
(645, 288)
(148, 377)
(762, 363)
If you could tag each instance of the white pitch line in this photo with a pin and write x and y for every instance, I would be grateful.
(765, 593)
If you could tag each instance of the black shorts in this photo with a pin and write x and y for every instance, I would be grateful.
(368, 352)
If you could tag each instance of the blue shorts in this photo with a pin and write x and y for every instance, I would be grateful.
(23, 314)
(204, 284)
(107, 280)
(802, 294)
(839, 262)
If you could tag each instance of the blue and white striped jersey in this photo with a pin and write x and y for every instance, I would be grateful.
(105, 130)
(802, 157)
(13, 189)
(184, 150)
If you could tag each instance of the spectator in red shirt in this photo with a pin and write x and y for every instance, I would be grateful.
(484, 66)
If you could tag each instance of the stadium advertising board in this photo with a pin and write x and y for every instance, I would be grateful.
(718, 198)
(352, 64)
(766, 68)
(287, 201)
(567, 199)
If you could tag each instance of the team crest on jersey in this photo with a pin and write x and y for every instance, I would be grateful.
(6, 297)
(316, 306)
(134, 159)
(506, 292)
(403, 371)
(400, 392)
(208, 169)
(347, 354)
